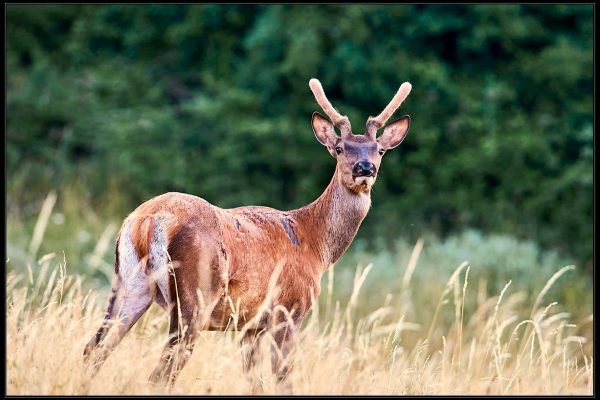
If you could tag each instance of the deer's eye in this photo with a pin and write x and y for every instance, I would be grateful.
(338, 150)
(381, 152)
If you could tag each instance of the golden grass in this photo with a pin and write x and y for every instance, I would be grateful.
(489, 351)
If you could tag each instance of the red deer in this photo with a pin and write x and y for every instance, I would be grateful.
(199, 261)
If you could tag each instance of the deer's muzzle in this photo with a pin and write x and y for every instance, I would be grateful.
(363, 168)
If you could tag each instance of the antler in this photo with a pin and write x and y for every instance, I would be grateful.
(341, 121)
(374, 123)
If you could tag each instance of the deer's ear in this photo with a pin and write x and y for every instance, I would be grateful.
(394, 133)
(323, 129)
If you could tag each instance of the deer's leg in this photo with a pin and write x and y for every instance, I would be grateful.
(106, 324)
(284, 336)
(188, 318)
(250, 345)
(195, 288)
(183, 330)
(132, 294)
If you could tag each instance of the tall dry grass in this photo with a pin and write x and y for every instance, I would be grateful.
(50, 318)
(492, 349)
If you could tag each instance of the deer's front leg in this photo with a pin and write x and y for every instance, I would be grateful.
(281, 359)
(250, 346)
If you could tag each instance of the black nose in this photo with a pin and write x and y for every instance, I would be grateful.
(364, 168)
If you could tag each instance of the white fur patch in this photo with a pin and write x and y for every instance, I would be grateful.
(129, 260)
(159, 257)
(135, 291)
(365, 180)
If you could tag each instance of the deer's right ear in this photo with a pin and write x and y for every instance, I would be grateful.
(324, 131)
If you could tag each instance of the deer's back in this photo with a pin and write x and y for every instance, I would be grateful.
(250, 241)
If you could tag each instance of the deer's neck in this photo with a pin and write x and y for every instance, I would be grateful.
(332, 220)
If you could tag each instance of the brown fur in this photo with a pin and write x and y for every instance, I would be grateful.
(217, 258)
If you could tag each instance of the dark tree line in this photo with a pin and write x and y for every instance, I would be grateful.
(214, 100)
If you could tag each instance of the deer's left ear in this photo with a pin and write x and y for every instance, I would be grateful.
(394, 133)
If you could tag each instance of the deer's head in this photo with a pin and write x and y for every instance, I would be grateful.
(359, 156)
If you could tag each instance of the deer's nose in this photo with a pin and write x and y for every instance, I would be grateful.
(364, 168)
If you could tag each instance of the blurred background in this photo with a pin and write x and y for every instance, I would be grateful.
(110, 105)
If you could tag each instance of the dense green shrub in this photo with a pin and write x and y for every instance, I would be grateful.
(493, 262)
(213, 100)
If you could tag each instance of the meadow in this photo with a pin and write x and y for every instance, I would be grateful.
(472, 273)
(472, 314)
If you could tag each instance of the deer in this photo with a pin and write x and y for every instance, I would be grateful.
(214, 269)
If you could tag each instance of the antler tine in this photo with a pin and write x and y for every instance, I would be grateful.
(374, 123)
(341, 121)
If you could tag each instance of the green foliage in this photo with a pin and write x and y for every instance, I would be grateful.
(493, 262)
(213, 100)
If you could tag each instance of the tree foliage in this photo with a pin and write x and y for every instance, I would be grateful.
(214, 100)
